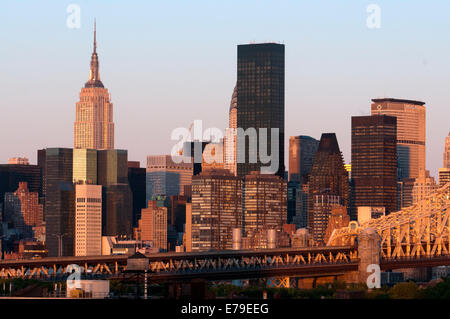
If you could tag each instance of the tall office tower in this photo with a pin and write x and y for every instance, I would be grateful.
(447, 152)
(41, 156)
(301, 154)
(23, 210)
(85, 166)
(265, 202)
(112, 167)
(94, 126)
(230, 136)
(153, 225)
(216, 209)
(59, 212)
(165, 177)
(424, 186)
(327, 185)
(88, 220)
(444, 176)
(374, 161)
(117, 210)
(117, 206)
(136, 180)
(411, 133)
(260, 98)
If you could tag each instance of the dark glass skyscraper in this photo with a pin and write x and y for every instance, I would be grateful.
(136, 180)
(260, 99)
(301, 154)
(374, 161)
(60, 202)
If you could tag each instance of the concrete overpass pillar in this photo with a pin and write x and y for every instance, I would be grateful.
(369, 250)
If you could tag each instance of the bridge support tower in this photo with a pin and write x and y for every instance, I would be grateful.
(369, 251)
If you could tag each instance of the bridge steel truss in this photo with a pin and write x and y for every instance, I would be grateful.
(52, 267)
(417, 232)
(217, 265)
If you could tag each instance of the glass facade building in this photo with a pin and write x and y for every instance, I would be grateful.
(216, 209)
(260, 100)
(411, 133)
(301, 154)
(59, 211)
(165, 177)
(265, 202)
(85, 166)
(374, 161)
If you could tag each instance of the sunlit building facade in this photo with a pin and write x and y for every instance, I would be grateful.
(411, 133)
(85, 166)
(166, 177)
(216, 209)
(153, 225)
(88, 220)
(265, 202)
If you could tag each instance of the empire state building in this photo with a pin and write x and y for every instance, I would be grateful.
(94, 126)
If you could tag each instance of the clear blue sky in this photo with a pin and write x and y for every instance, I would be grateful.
(167, 63)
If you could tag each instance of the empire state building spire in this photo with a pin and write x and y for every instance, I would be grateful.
(94, 73)
(94, 125)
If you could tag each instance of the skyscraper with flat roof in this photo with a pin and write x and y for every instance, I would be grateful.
(166, 177)
(374, 161)
(88, 220)
(265, 202)
(59, 202)
(301, 154)
(260, 100)
(94, 126)
(411, 133)
(85, 166)
(216, 209)
(153, 225)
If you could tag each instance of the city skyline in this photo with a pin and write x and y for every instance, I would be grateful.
(144, 131)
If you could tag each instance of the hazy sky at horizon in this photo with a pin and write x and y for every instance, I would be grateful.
(168, 63)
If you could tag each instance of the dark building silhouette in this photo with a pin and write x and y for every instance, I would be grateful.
(328, 185)
(117, 210)
(301, 154)
(374, 161)
(41, 156)
(136, 180)
(12, 174)
(117, 197)
(59, 212)
(112, 167)
(260, 96)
